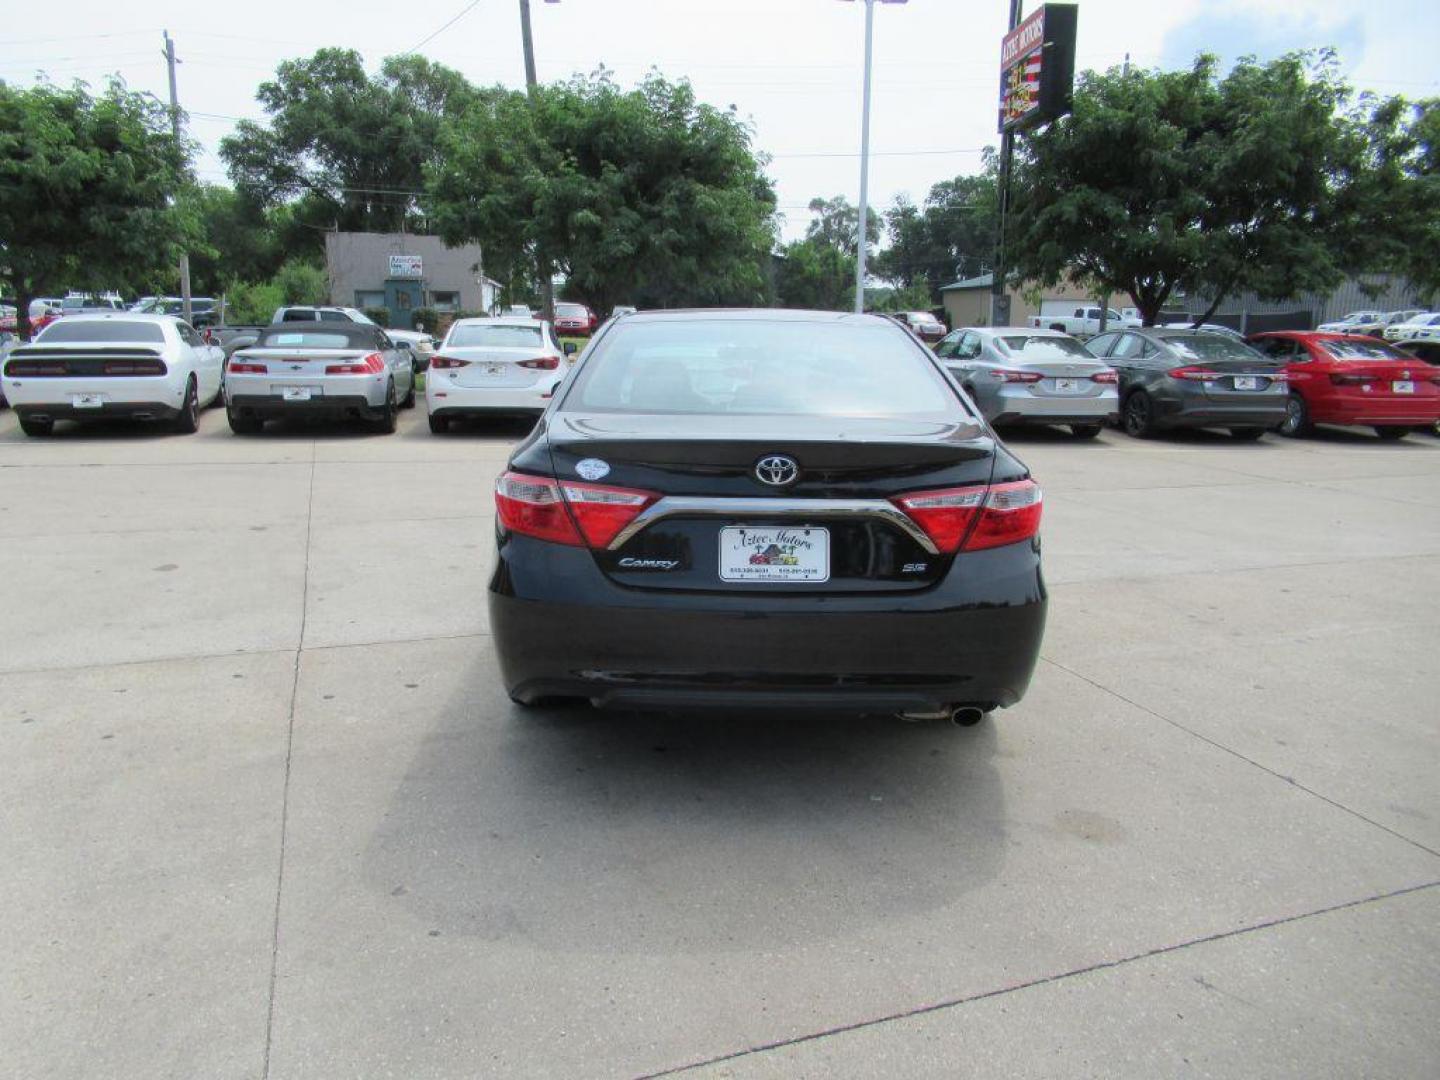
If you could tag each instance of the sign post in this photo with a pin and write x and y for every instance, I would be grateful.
(1037, 76)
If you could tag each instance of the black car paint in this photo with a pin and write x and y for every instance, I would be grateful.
(572, 622)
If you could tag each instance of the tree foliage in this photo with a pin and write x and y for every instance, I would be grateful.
(815, 275)
(952, 235)
(1184, 179)
(836, 223)
(353, 144)
(86, 189)
(640, 196)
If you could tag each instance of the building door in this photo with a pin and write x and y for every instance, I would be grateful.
(403, 296)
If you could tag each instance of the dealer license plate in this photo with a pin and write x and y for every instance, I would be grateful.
(87, 401)
(1246, 382)
(296, 393)
(1405, 386)
(494, 369)
(774, 554)
(1067, 386)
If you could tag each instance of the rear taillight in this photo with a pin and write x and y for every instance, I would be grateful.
(373, 364)
(19, 368)
(1105, 377)
(1193, 374)
(243, 367)
(569, 513)
(541, 363)
(1351, 380)
(440, 363)
(601, 512)
(1009, 375)
(532, 506)
(975, 518)
(134, 367)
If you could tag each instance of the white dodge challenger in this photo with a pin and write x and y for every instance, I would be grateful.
(94, 367)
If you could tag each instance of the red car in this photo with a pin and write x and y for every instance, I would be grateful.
(1352, 380)
(574, 319)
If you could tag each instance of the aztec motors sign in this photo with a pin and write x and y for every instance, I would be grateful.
(1037, 68)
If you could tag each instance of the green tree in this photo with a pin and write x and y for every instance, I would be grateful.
(1167, 179)
(814, 274)
(87, 185)
(952, 235)
(837, 223)
(353, 145)
(241, 239)
(640, 196)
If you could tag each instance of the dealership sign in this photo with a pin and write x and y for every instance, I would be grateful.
(408, 266)
(1037, 68)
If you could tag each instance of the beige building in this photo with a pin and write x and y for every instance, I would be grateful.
(967, 302)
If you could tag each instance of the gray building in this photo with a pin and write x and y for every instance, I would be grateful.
(403, 272)
(1248, 313)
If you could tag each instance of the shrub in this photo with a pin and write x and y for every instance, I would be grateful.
(427, 319)
(380, 316)
(252, 304)
(302, 283)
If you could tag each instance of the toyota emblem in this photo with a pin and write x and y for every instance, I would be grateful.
(777, 470)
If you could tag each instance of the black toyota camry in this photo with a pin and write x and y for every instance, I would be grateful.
(767, 508)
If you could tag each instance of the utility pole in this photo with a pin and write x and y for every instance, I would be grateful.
(999, 301)
(864, 164)
(547, 284)
(175, 127)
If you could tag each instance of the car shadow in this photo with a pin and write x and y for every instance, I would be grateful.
(507, 428)
(662, 833)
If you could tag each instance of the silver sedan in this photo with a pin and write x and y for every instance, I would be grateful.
(1019, 375)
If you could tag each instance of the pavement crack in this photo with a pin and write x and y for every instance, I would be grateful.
(285, 789)
(1237, 754)
(1088, 969)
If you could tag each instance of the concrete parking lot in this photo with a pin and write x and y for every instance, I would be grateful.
(268, 812)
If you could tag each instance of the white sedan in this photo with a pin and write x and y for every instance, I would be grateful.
(1422, 327)
(96, 367)
(494, 367)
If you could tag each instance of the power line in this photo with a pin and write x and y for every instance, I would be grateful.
(453, 20)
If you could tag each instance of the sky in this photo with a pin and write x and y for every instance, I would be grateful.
(792, 68)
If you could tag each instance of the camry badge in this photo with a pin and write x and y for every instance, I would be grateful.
(777, 470)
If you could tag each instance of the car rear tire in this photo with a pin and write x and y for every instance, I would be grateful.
(1392, 434)
(389, 418)
(37, 428)
(1138, 415)
(241, 424)
(188, 422)
(439, 425)
(1247, 434)
(1297, 418)
(1085, 431)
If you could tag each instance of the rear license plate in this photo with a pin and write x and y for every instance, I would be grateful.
(789, 554)
(1246, 382)
(494, 369)
(296, 393)
(87, 401)
(1405, 386)
(1067, 386)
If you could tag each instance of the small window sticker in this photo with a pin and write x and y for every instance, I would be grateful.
(592, 469)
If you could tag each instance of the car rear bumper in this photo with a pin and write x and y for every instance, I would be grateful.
(274, 407)
(444, 398)
(562, 628)
(1205, 412)
(110, 410)
(1019, 406)
(1378, 411)
(50, 396)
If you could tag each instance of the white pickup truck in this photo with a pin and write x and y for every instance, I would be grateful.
(1084, 322)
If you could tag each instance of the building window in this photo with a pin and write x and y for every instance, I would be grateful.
(445, 301)
(369, 298)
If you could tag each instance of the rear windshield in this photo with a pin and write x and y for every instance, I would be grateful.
(752, 367)
(569, 310)
(1361, 350)
(1207, 346)
(310, 339)
(1024, 347)
(493, 336)
(101, 330)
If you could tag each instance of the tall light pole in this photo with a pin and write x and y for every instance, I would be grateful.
(865, 157)
(999, 301)
(170, 62)
(547, 283)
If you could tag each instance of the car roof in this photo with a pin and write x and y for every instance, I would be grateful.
(755, 315)
(497, 320)
(1028, 331)
(123, 316)
(357, 331)
(1317, 335)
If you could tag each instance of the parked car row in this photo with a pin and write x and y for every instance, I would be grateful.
(1170, 377)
